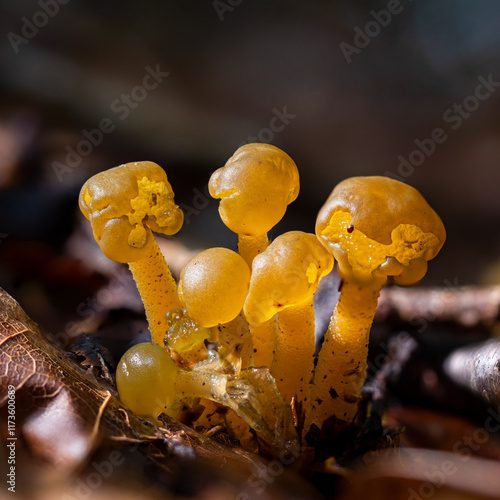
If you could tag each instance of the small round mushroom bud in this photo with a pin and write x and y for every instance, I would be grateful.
(284, 279)
(375, 227)
(141, 377)
(125, 205)
(255, 187)
(212, 288)
(149, 382)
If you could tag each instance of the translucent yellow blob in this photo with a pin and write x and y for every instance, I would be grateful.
(286, 273)
(255, 187)
(125, 204)
(149, 382)
(375, 227)
(284, 279)
(213, 286)
(184, 333)
(378, 205)
(144, 378)
(360, 256)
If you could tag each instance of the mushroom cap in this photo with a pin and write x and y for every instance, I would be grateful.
(286, 273)
(378, 227)
(145, 378)
(255, 187)
(213, 286)
(125, 204)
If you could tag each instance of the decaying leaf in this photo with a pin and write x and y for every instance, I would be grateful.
(61, 407)
(95, 356)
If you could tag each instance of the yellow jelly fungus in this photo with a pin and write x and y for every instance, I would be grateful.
(257, 305)
(125, 205)
(149, 382)
(255, 187)
(238, 430)
(361, 256)
(375, 227)
(284, 279)
(213, 286)
(184, 333)
(235, 344)
(141, 377)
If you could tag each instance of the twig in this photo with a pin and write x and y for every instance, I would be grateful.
(477, 367)
(468, 306)
(102, 407)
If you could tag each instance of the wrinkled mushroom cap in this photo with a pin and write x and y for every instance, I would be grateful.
(379, 227)
(286, 273)
(125, 204)
(213, 286)
(255, 187)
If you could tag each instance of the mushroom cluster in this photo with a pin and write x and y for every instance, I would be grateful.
(236, 336)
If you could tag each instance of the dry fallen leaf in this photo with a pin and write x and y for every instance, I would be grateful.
(94, 356)
(60, 405)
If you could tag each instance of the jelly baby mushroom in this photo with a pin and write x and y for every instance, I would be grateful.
(284, 279)
(125, 205)
(255, 187)
(212, 288)
(375, 227)
(150, 382)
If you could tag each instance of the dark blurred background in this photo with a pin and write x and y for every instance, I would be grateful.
(345, 88)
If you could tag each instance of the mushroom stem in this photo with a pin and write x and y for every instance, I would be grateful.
(251, 246)
(251, 395)
(235, 343)
(264, 342)
(341, 369)
(158, 291)
(294, 356)
(211, 386)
